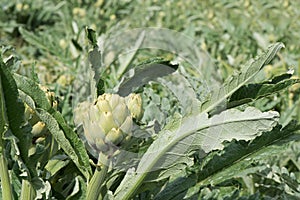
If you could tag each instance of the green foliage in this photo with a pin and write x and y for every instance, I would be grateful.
(213, 126)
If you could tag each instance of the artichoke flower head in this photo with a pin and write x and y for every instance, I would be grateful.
(106, 123)
(134, 103)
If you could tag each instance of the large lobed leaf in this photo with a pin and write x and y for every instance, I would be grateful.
(238, 159)
(234, 161)
(67, 144)
(196, 132)
(233, 83)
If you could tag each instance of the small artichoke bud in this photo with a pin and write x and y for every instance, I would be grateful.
(106, 122)
(134, 104)
(38, 129)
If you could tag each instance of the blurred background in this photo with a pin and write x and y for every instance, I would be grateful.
(230, 31)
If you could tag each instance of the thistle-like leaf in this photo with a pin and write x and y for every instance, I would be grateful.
(235, 82)
(234, 161)
(54, 128)
(182, 136)
(251, 92)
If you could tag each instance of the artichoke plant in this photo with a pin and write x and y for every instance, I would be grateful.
(107, 122)
(39, 130)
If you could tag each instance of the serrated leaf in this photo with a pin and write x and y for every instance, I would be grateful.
(94, 71)
(197, 132)
(267, 145)
(54, 128)
(233, 83)
(143, 73)
(13, 112)
(76, 143)
(32, 89)
(251, 92)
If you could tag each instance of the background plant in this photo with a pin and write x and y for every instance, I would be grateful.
(45, 43)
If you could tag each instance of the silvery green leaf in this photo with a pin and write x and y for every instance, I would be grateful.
(233, 83)
(195, 132)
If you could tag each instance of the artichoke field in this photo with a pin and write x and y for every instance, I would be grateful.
(158, 100)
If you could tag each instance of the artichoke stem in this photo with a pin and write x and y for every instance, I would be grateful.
(94, 186)
(27, 192)
(5, 180)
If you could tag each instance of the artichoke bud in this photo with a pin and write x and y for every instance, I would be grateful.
(103, 106)
(54, 105)
(38, 129)
(127, 125)
(106, 122)
(134, 103)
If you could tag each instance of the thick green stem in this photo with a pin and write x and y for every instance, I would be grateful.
(4, 175)
(27, 192)
(94, 186)
(5, 180)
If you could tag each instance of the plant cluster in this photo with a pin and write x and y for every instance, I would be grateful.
(88, 112)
